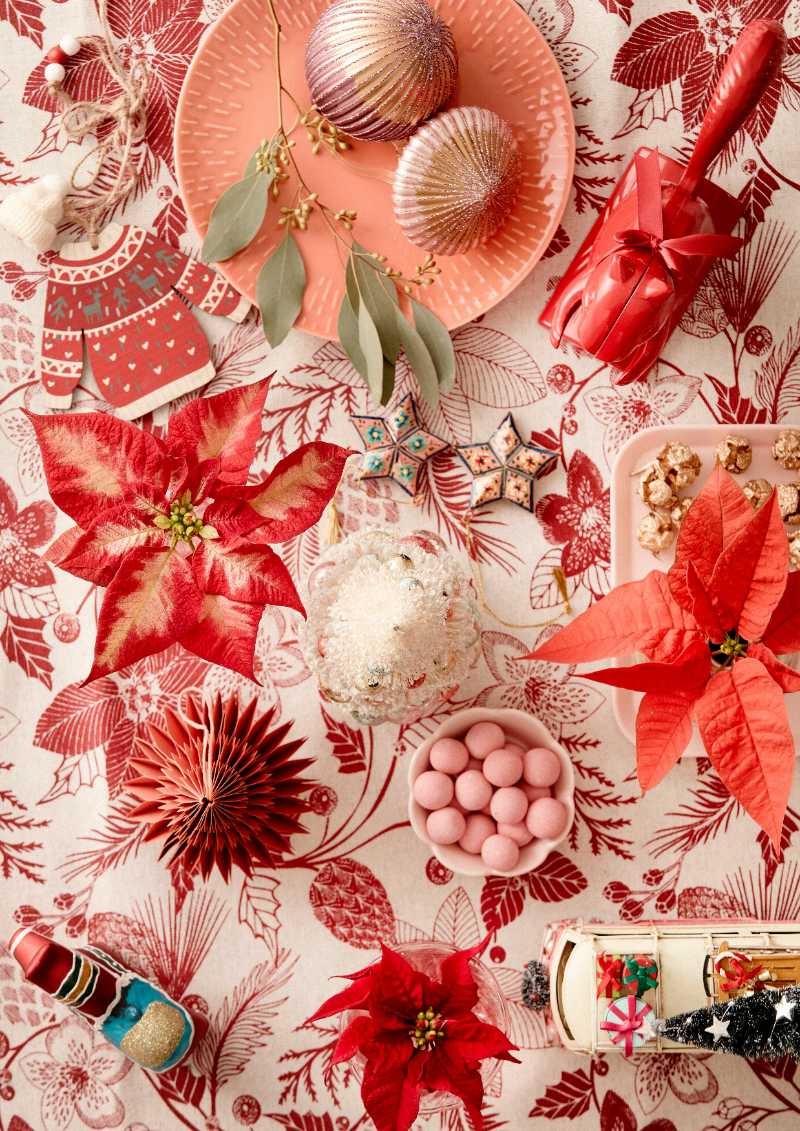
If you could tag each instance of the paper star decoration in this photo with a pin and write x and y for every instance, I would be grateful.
(718, 1029)
(397, 445)
(783, 1009)
(504, 467)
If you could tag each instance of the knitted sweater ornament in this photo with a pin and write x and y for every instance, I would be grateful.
(122, 305)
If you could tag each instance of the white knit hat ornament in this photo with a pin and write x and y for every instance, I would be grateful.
(33, 213)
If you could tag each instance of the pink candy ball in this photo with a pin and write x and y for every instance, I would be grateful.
(515, 748)
(449, 755)
(503, 767)
(509, 805)
(473, 791)
(541, 766)
(500, 853)
(445, 826)
(433, 790)
(546, 818)
(518, 833)
(534, 792)
(482, 738)
(478, 829)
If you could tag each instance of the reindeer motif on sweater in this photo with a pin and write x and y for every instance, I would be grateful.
(121, 304)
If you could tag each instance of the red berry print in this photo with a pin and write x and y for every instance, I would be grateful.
(758, 340)
(246, 1110)
(437, 873)
(67, 627)
(560, 378)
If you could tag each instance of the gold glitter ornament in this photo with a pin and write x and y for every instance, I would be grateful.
(457, 180)
(377, 68)
(155, 1036)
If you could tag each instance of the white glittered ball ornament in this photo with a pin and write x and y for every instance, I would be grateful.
(377, 68)
(393, 625)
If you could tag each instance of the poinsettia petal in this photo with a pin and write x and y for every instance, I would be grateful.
(704, 605)
(688, 673)
(390, 1089)
(226, 426)
(459, 989)
(225, 633)
(250, 573)
(63, 545)
(35, 525)
(353, 997)
(751, 573)
(447, 1073)
(745, 729)
(97, 554)
(787, 678)
(640, 616)
(474, 1040)
(783, 631)
(716, 515)
(93, 461)
(290, 499)
(398, 991)
(149, 605)
(352, 1040)
(663, 731)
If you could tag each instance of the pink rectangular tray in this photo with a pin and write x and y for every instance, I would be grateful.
(630, 562)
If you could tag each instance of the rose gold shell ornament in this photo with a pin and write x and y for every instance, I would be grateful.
(457, 180)
(377, 68)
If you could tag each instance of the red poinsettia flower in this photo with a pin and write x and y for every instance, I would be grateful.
(172, 529)
(711, 630)
(417, 1035)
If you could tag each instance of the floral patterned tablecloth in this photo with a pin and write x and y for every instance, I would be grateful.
(253, 958)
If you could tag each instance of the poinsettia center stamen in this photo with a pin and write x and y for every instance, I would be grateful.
(183, 523)
(428, 1029)
(733, 647)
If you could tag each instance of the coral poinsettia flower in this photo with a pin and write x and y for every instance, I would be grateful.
(711, 630)
(417, 1035)
(172, 529)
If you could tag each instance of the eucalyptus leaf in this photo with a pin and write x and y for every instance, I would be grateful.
(380, 301)
(348, 335)
(370, 345)
(280, 288)
(419, 359)
(237, 217)
(389, 373)
(437, 338)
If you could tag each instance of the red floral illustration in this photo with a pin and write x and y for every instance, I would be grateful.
(110, 713)
(579, 519)
(626, 410)
(687, 1076)
(689, 48)
(75, 1075)
(20, 533)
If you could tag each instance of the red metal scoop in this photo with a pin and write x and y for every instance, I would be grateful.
(648, 251)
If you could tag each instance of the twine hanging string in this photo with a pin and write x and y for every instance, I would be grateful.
(126, 119)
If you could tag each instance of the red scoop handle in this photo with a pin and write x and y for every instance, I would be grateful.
(752, 65)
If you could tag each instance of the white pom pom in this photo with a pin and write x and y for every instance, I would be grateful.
(54, 72)
(34, 211)
(69, 45)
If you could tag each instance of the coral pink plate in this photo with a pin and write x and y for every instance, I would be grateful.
(227, 107)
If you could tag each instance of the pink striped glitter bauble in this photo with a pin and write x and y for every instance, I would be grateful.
(377, 68)
(457, 180)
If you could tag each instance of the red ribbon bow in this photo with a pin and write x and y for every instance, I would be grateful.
(650, 218)
(740, 970)
(611, 975)
(630, 1014)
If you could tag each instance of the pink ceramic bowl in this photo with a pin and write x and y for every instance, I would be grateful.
(528, 732)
